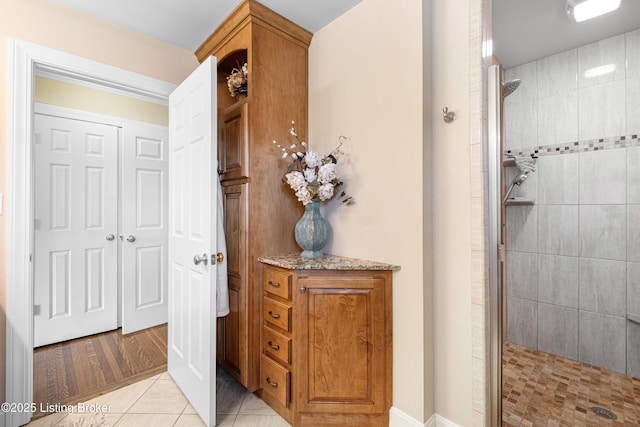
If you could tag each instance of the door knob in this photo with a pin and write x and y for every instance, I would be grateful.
(219, 257)
(198, 259)
(110, 237)
(131, 238)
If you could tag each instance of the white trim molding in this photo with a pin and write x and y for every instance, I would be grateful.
(398, 418)
(440, 421)
(25, 60)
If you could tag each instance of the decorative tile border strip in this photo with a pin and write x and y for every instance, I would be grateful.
(577, 147)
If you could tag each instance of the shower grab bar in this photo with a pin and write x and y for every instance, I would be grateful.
(633, 319)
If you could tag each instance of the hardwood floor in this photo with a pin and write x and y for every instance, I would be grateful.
(81, 369)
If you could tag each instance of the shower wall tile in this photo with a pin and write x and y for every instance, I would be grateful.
(633, 289)
(558, 118)
(522, 322)
(558, 330)
(603, 231)
(522, 275)
(558, 280)
(601, 111)
(633, 233)
(521, 125)
(558, 229)
(633, 106)
(602, 340)
(522, 228)
(528, 89)
(558, 179)
(583, 233)
(633, 349)
(603, 285)
(604, 177)
(557, 73)
(633, 174)
(605, 53)
(632, 42)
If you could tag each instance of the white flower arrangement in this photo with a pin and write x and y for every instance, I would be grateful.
(237, 80)
(311, 176)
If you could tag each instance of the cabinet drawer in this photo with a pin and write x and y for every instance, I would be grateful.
(277, 283)
(275, 380)
(276, 345)
(276, 313)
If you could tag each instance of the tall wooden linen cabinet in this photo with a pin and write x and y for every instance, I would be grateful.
(260, 211)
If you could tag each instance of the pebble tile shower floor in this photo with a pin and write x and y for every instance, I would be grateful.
(540, 389)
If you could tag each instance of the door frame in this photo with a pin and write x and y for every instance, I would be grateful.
(495, 241)
(25, 59)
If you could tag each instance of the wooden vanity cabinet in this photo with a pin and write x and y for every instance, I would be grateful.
(333, 363)
(260, 211)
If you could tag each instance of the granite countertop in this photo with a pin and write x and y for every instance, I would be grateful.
(327, 262)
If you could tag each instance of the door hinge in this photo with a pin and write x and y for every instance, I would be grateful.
(30, 257)
(501, 253)
(36, 310)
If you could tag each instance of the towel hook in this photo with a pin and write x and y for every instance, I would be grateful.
(448, 116)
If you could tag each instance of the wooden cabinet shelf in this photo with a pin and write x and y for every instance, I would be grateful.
(327, 361)
(260, 211)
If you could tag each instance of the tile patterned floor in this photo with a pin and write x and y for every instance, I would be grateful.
(540, 389)
(158, 402)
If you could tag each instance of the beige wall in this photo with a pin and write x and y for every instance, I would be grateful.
(366, 82)
(452, 212)
(381, 75)
(82, 98)
(49, 24)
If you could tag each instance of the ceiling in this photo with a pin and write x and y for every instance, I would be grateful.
(523, 30)
(187, 23)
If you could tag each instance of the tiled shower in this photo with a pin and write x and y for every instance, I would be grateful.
(573, 257)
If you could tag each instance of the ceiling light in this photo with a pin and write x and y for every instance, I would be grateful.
(587, 9)
(599, 71)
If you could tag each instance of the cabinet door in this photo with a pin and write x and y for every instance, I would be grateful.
(232, 350)
(233, 142)
(341, 362)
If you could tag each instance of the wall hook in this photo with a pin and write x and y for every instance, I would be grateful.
(448, 116)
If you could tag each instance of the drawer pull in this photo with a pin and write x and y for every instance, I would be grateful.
(272, 384)
(274, 315)
(273, 346)
(274, 284)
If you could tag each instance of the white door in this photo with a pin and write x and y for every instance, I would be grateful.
(192, 233)
(144, 183)
(75, 286)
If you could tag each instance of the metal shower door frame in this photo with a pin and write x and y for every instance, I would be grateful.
(496, 249)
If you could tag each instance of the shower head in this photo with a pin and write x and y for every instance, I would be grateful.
(517, 180)
(520, 178)
(509, 87)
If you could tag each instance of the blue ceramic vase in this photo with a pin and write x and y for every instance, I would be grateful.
(312, 231)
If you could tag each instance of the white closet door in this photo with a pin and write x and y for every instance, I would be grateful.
(192, 233)
(75, 226)
(144, 226)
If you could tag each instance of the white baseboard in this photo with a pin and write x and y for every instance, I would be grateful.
(443, 422)
(397, 418)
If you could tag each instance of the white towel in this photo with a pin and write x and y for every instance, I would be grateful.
(526, 164)
(222, 289)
